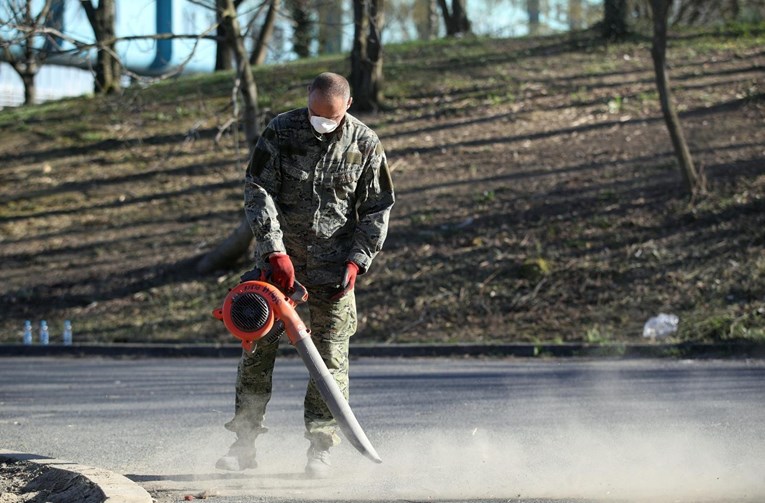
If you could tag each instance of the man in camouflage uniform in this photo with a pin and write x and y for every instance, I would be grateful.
(318, 195)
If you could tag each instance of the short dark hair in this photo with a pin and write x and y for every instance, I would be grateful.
(332, 85)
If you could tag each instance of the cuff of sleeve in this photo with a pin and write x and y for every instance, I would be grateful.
(268, 247)
(360, 260)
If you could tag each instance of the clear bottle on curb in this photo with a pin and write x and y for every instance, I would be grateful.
(67, 333)
(27, 333)
(44, 338)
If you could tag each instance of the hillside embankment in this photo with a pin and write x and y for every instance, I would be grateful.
(538, 197)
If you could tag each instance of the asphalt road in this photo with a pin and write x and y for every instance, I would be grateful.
(447, 429)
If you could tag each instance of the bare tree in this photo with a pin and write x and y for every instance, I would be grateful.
(260, 49)
(237, 243)
(102, 18)
(694, 181)
(43, 36)
(300, 11)
(366, 55)
(224, 59)
(224, 53)
(55, 21)
(23, 47)
(533, 7)
(428, 28)
(330, 36)
(247, 88)
(575, 15)
(456, 19)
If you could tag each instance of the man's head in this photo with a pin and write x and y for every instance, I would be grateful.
(329, 96)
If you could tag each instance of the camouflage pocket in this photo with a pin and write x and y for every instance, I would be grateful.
(295, 185)
(295, 172)
(345, 176)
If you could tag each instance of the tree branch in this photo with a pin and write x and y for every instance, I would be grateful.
(105, 45)
(42, 16)
(90, 11)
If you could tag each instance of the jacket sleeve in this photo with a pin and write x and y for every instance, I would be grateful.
(374, 199)
(262, 185)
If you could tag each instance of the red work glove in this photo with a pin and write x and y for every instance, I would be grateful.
(349, 279)
(282, 271)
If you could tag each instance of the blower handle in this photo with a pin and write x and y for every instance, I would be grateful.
(298, 295)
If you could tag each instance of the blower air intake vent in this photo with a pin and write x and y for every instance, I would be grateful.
(249, 312)
(274, 334)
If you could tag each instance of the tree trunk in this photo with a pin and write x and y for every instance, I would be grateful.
(228, 251)
(448, 23)
(456, 20)
(108, 72)
(461, 21)
(330, 36)
(28, 60)
(56, 21)
(224, 53)
(303, 34)
(236, 244)
(30, 90)
(108, 67)
(427, 19)
(615, 19)
(575, 15)
(248, 89)
(375, 49)
(532, 6)
(359, 64)
(432, 23)
(694, 183)
(366, 55)
(223, 56)
(266, 31)
(696, 13)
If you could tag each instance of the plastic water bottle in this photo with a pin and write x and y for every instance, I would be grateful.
(67, 333)
(28, 332)
(661, 326)
(44, 332)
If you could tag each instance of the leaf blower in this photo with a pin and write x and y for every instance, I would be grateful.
(256, 310)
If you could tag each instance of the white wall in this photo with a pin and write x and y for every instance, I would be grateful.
(53, 82)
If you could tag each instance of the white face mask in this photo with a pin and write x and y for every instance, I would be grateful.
(322, 125)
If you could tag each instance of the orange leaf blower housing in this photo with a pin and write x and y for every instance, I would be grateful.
(256, 310)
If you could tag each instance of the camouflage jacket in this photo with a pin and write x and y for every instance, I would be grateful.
(322, 199)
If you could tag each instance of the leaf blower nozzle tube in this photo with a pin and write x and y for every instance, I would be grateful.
(256, 310)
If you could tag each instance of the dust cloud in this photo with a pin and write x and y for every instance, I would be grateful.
(597, 438)
(664, 464)
(652, 462)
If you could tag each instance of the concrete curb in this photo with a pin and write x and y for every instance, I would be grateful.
(69, 481)
(677, 350)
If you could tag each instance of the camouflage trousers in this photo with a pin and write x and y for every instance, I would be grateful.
(332, 324)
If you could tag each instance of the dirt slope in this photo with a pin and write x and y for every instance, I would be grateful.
(538, 198)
